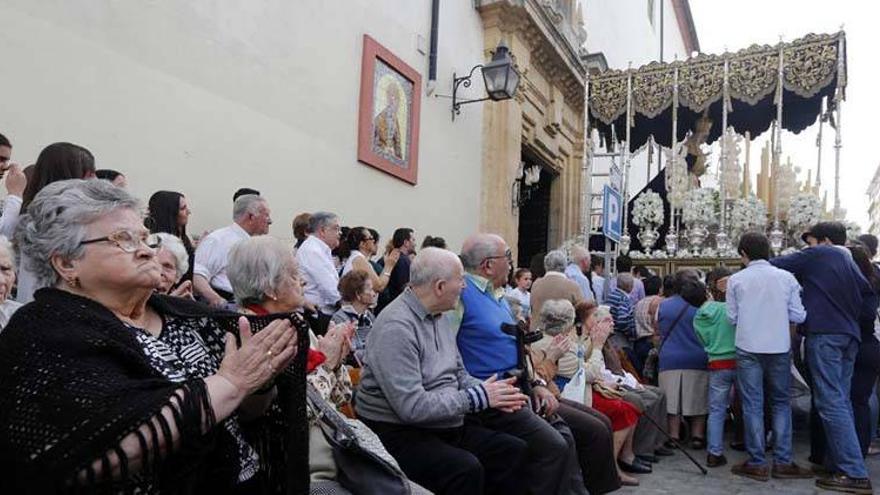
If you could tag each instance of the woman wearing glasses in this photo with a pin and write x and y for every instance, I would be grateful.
(363, 245)
(106, 385)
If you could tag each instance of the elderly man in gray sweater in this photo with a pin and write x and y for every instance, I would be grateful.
(417, 396)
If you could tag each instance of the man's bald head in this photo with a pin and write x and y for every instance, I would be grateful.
(478, 247)
(432, 265)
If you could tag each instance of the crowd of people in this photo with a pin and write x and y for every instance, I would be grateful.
(136, 358)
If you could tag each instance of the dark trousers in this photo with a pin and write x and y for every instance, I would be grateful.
(551, 466)
(594, 440)
(640, 350)
(467, 460)
(864, 379)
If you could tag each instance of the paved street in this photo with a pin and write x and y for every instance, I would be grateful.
(677, 475)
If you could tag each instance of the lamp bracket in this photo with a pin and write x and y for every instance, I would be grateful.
(465, 82)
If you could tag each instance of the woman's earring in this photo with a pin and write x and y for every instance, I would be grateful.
(73, 282)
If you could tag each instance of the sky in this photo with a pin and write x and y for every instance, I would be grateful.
(736, 25)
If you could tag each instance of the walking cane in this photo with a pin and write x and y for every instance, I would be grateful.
(675, 443)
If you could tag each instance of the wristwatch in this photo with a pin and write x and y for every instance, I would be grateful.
(539, 382)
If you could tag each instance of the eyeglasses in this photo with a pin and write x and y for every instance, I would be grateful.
(128, 240)
(507, 254)
(367, 239)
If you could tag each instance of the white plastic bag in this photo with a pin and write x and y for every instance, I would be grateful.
(576, 388)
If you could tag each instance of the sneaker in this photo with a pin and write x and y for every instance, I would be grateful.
(845, 484)
(791, 471)
(759, 473)
(715, 460)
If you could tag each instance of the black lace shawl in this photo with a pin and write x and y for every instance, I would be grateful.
(74, 382)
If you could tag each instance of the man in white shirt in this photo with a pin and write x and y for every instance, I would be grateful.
(251, 216)
(316, 264)
(762, 301)
(597, 264)
(577, 268)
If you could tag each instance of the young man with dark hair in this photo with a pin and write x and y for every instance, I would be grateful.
(870, 242)
(403, 239)
(834, 289)
(762, 301)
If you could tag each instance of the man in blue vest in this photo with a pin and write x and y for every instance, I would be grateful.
(487, 350)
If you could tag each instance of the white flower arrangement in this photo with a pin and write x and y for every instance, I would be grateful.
(804, 211)
(648, 210)
(747, 214)
(699, 207)
(676, 175)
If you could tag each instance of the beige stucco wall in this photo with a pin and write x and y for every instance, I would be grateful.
(207, 96)
(541, 117)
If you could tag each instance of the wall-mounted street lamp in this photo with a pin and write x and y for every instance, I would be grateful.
(499, 76)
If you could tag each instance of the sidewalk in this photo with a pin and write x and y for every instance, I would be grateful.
(677, 475)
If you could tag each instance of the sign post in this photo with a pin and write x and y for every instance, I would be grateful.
(612, 218)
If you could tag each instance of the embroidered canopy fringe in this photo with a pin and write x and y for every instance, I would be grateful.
(811, 72)
(74, 382)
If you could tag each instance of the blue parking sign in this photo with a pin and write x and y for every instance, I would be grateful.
(612, 214)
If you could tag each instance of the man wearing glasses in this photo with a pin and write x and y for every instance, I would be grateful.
(317, 268)
(488, 350)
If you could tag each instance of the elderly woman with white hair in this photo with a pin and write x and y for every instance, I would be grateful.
(174, 260)
(584, 361)
(105, 384)
(7, 281)
(265, 279)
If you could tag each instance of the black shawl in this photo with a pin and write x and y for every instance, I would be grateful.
(74, 382)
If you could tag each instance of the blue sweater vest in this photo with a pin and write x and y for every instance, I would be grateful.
(485, 349)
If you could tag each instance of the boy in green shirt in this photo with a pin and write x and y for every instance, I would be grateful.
(719, 339)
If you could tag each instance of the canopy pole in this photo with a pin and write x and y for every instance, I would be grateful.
(724, 101)
(822, 110)
(776, 235)
(671, 235)
(586, 167)
(838, 100)
(722, 242)
(777, 149)
(627, 155)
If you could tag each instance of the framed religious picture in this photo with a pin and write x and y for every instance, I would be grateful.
(388, 121)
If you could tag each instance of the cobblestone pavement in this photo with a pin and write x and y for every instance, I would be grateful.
(677, 475)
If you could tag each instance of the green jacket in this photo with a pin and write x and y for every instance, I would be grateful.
(715, 331)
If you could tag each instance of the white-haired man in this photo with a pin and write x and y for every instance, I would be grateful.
(488, 350)
(578, 267)
(417, 396)
(319, 273)
(251, 216)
